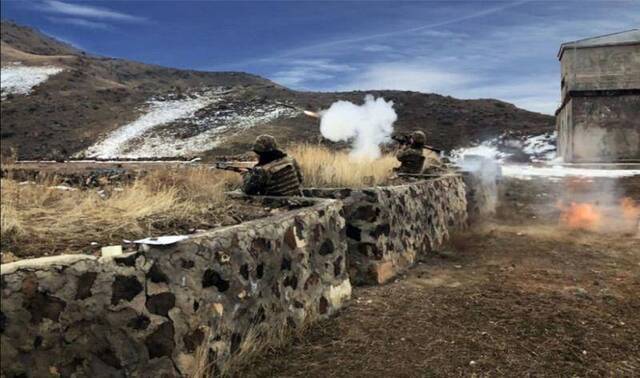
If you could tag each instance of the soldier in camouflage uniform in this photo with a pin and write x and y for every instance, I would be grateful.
(411, 158)
(416, 159)
(276, 173)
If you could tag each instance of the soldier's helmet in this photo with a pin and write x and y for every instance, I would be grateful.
(265, 143)
(419, 138)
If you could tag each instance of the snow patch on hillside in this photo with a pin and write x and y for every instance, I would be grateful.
(486, 149)
(167, 145)
(159, 112)
(528, 171)
(20, 80)
(541, 147)
(173, 125)
(536, 148)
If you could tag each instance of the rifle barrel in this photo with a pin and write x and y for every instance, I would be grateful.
(237, 167)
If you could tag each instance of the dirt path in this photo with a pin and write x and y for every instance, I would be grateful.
(504, 300)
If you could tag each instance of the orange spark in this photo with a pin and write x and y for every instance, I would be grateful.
(581, 216)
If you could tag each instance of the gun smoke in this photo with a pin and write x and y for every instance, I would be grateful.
(366, 126)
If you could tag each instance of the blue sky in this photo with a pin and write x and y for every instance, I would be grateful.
(466, 49)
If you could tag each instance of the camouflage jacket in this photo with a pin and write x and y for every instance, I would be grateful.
(411, 161)
(281, 177)
(418, 161)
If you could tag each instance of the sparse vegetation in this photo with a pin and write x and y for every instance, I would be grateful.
(257, 340)
(42, 216)
(322, 167)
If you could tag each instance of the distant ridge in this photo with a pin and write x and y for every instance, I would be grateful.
(32, 41)
(93, 96)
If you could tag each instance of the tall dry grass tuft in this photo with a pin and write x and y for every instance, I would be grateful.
(10, 225)
(322, 167)
(257, 340)
(38, 217)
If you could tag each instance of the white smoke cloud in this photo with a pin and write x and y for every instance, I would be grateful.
(367, 125)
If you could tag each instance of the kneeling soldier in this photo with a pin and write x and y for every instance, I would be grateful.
(275, 174)
(412, 157)
(418, 158)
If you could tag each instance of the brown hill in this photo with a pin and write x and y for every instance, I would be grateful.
(94, 96)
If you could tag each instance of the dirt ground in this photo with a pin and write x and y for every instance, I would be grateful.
(519, 295)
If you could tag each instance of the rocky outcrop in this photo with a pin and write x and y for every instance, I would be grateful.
(168, 310)
(388, 227)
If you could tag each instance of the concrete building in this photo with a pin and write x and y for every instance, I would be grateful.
(599, 119)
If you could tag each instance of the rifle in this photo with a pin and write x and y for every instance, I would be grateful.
(436, 150)
(229, 166)
(405, 140)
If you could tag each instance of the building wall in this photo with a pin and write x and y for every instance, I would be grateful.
(564, 128)
(605, 129)
(600, 117)
(599, 68)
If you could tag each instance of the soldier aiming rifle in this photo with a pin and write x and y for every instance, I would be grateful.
(405, 140)
(416, 157)
(275, 174)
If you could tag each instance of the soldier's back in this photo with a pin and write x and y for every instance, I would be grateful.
(283, 178)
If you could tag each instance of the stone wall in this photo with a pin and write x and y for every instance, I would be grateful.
(388, 227)
(169, 310)
(153, 312)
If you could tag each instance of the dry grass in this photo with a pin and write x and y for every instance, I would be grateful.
(322, 167)
(257, 340)
(40, 216)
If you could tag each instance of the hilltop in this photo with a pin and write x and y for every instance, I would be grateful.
(91, 106)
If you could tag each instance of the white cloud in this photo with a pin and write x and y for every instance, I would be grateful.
(79, 22)
(377, 48)
(86, 11)
(511, 57)
(539, 94)
(301, 71)
(443, 34)
(402, 32)
(406, 76)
